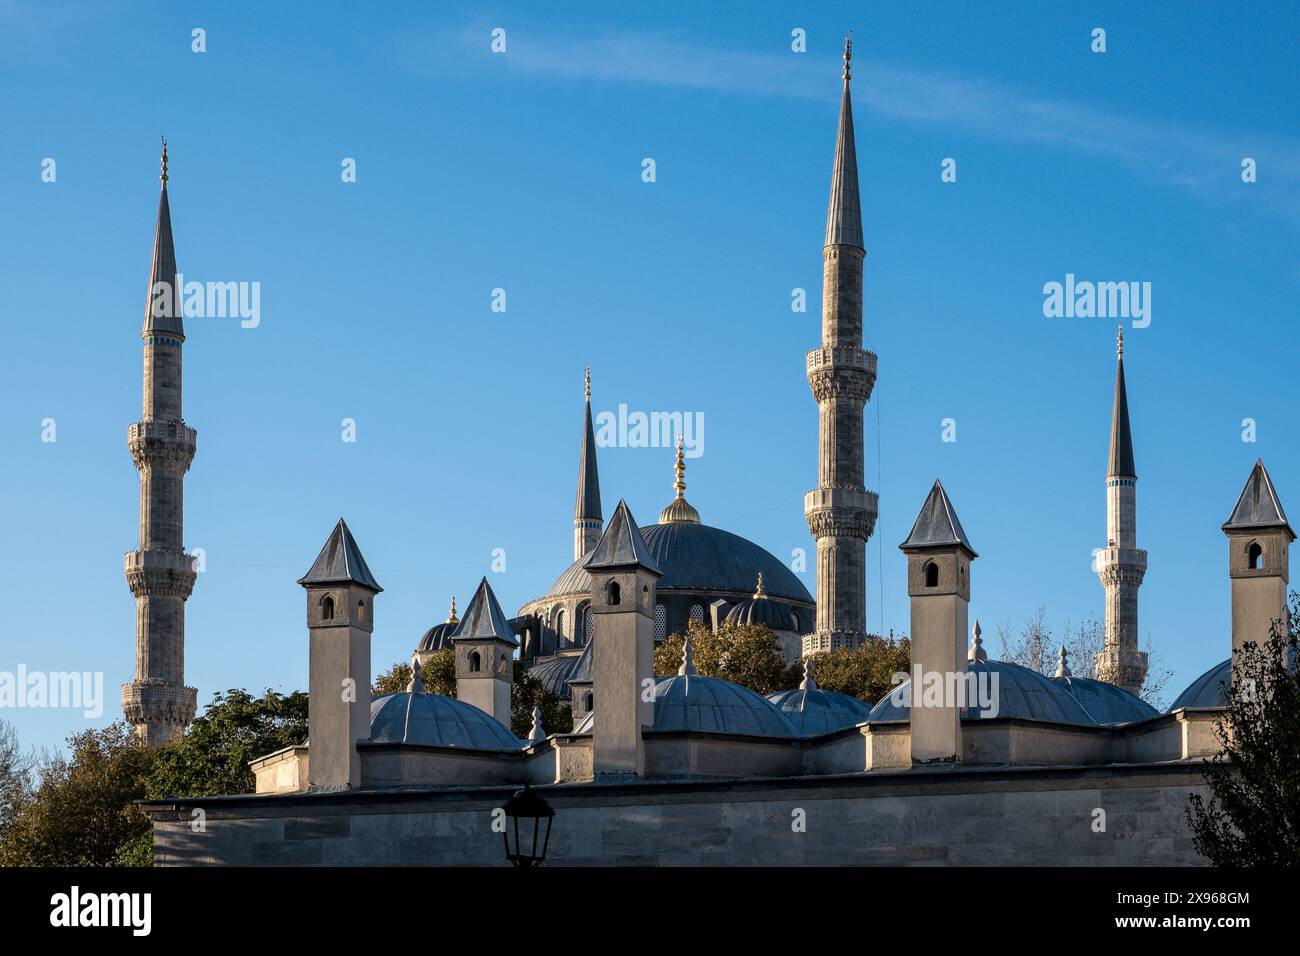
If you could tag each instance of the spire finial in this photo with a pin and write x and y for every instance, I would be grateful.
(688, 659)
(848, 56)
(537, 734)
(453, 619)
(587, 387)
(164, 161)
(680, 469)
(808, 683)
(1062, 667)
(1119, 345)
(758, 591)
(977, 652)
(416, 684)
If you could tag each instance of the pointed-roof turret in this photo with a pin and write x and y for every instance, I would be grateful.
(484, 619)
(1258, 505)
(163, 270)
(588, 505)
(340, 562)
(1121, 437)
(937, 525)
(621, 545)
(844, 217)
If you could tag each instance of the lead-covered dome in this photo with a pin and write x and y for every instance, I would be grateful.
(1021, 693)
(436, 721)
(1211, 689)
(1105, 703)
(698, 557)
(815, 711)
(438, 637)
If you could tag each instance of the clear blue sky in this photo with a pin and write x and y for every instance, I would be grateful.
(522, 171)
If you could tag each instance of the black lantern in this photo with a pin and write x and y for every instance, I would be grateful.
(526, 807)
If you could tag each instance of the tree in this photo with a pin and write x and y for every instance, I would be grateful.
(82, 810)
(748, 654)
(866, 673)
(15, 775)
(1035, 646)
(1252, 817)
(438, 674)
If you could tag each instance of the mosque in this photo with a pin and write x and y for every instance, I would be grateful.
(689, 769)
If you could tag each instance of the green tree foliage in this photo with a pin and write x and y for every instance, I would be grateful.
(1252, 817)
(529, 692)
(867, 673)
(438, 674)
(748, 654)
(15, 775)
(81, 811)
(212, 757)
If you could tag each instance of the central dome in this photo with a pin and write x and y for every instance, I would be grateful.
(698, 557)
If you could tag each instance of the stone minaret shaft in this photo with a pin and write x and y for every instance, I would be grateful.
(161, 575)
(1122, 564)
(587, 522)
(841, 513)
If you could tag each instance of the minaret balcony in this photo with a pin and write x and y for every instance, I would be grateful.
(841, 371)
(160, 573)
(159, 442)
(842, 356)
(841, 512)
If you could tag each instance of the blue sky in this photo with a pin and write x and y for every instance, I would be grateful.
(522, 171)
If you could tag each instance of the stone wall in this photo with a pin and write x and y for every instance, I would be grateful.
(949, 816)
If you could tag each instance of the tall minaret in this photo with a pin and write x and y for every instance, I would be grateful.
(587, 522)
(841, 513)
(1122, 564)
(161, 575)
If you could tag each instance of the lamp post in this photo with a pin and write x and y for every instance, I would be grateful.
(526, 806)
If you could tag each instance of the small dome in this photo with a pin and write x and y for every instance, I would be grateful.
(1211, 689)
(1021, 693)
(762, 611)
(437, 638)
(816, 712)
(432, 720)
(710, 705)
(1105, 703)
(554, 672)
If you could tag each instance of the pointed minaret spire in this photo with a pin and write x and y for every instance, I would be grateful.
(161, 575)
(1121, 565)
(840, 511)
(587, 520)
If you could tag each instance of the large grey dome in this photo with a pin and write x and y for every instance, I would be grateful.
(1021, 693)
(1211, 689)
(700, 558)
(1106, 703)
(819, 711)
(710, 705)
(436, 721)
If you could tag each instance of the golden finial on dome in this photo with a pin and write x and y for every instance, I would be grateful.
(679, 509)
(680, 469)
(453, 619)
(1119, 347)
(588, 385)
(164, 160)
(758, 592)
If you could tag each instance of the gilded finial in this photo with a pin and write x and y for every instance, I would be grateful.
(680, 469)
(164, 160)
(848, 56)
(588, 385)
(758, 592)
(453, 619)
(1119, 347)
(679, 509)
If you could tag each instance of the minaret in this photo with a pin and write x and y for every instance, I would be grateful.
(161, 575)
(587, 521)
(1122, 564)
(841, 513)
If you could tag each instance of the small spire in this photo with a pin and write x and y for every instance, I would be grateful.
(808, 683)
(537, 734)
(680, 470)
(758, 592)
(679, 509)
(1119, 346)
(1062, 665)
(453, 619)
(587, 387)
(164, 162)
(976, 652)
(416, 684)
(688, 661)
(848, 56)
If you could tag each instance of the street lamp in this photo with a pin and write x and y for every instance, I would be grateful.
(527, 806)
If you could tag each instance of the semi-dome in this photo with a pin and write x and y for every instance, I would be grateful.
(815, 711)
(763, 611)
(415, 717)
(1211, 689)
(1021, 693)
(700, 558)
